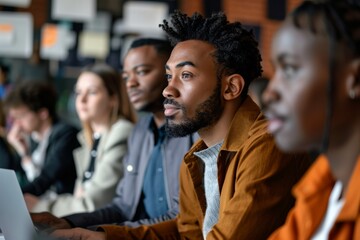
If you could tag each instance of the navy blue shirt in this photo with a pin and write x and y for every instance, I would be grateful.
(154, 194)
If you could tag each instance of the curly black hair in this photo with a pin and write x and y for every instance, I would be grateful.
(339, 20)
(236, 48)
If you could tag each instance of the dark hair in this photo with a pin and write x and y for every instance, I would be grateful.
(236, 48)
(340, 22)
(34, 95)
(161, 46)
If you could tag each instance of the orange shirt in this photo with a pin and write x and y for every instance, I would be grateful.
(312, 195)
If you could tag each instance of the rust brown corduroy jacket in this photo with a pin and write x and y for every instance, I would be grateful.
(312, 195)
(255, 181)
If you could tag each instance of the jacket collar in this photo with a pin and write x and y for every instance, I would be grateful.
(242, 126)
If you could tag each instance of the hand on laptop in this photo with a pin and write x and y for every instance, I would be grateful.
(78, 234)
(46, 221)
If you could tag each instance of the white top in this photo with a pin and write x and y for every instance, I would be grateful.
(334, 207)
(32, 169)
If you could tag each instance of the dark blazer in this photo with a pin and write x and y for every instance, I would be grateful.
(9, 160)
(7, 156)
(59, 167)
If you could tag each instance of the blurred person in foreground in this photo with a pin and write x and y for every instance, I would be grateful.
(313, 103)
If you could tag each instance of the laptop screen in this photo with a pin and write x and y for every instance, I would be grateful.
(15, 220)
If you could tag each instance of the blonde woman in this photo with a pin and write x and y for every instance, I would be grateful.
(107, 118)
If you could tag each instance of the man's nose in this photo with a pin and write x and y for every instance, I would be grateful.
(132, 81)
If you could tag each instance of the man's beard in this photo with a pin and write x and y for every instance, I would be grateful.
(206, 114)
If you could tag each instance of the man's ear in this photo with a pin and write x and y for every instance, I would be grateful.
(353, 80)
(233, 86)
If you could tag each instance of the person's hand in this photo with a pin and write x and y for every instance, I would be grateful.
(30, 200)
(17, 139)
(79, 234)
(47, 221)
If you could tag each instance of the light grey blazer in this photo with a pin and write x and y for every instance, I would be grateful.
(100, 189)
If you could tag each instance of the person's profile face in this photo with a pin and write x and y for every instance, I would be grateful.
(144, 74)
(296, 97)
(193, 95)
(93, 102)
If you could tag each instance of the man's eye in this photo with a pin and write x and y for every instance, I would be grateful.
(289, 70)
(186, 75)
(168, 77)
(142, 72)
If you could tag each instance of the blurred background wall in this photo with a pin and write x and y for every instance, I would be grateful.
(65, 35)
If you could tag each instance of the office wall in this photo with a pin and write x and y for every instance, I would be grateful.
(249, 12)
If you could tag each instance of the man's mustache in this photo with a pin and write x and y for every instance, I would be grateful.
(173, 102)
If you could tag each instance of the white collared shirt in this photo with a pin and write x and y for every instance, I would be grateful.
(32, 169)
(334, 207)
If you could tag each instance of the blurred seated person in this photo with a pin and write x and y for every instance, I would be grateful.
(7, 153)
(107, 119)
(42, 142)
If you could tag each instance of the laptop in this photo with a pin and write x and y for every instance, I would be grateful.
(15, 220)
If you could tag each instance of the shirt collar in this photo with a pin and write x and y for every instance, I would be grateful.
(159, 133)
